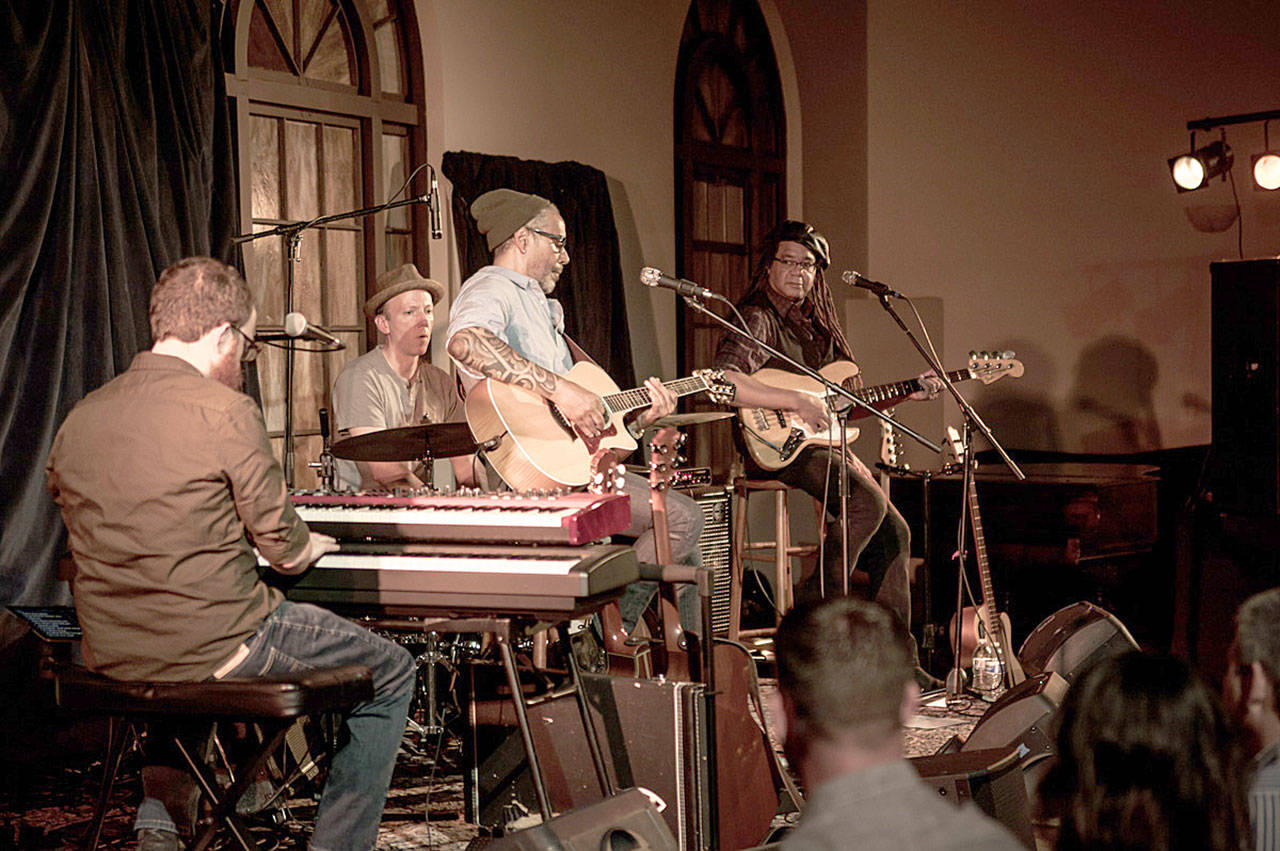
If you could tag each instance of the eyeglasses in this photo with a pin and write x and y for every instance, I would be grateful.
(250, 346)
(803, 265)
(560, 241)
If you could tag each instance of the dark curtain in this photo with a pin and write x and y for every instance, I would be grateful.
(115, 160)
(590, 289)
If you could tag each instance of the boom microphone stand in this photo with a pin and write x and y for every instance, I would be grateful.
(954, 684)
(292, 234)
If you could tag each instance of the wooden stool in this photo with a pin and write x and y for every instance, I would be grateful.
(274, 703)
(781, 550)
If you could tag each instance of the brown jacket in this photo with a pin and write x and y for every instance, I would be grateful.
(166, 482)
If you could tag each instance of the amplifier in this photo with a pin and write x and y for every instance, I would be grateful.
(716, 546)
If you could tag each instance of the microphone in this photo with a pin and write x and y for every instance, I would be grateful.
(296, 327)
(651, 277)
(882, 290)
(433, 207)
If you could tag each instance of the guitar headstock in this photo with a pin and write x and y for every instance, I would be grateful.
(664, 457)
(889, 446)
(992, 366)
(719, 388)
(607, 473)
(953, 452)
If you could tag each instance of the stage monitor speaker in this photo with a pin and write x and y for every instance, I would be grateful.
(622, 822)
(1245, 464)
(1022, 718)
(1073, 638)
(989, 778)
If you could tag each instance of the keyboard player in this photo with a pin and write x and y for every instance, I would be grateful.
(393, 385)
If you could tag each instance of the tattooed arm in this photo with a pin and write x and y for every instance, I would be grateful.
(481, 352)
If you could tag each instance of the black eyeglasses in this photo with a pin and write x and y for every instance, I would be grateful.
(560, 241)
(802, 265)
(250, 346)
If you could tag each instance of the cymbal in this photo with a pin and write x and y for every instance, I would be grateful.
(696, 418)
(439, 440)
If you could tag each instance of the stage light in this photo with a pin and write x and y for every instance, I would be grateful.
(1266, 165)
(1266, 170)
(1194, 170)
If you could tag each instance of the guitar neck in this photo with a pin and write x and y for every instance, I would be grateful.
(902, 389)
(634, 399)
(984, 565)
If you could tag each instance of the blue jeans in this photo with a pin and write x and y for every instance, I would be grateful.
(301, 637)
(684, 521)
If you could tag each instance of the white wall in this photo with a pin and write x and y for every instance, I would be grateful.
(590, 82)
(1017, 170)
(1003, 157)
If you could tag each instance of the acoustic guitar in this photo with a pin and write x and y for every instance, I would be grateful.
(985, 619)
(747, 787)
(775, 438)
(535, 447)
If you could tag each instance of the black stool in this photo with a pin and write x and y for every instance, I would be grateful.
(274, 703)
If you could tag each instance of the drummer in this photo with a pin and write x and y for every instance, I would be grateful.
(393, 385)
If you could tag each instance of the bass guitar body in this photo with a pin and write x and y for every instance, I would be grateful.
(972, 629)
(775, 438)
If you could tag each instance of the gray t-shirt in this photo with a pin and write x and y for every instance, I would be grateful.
(889, 807)
(370, 394)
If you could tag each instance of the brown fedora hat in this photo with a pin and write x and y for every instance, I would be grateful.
(400, 280)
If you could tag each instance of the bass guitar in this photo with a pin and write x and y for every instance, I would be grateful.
(984, 620)
(535, 447)
(775, 438)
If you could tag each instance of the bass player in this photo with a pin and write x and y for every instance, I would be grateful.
(789, 307)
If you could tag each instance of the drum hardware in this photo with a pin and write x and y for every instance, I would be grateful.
(408, 443)
(324, 468)
(695, 418)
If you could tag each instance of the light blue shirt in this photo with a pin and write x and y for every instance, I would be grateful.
(1264, 800)
(517, 311)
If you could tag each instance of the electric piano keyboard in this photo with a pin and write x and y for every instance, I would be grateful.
(455, 579)
(572, 518)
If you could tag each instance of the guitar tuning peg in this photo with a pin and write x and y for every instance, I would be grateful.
(1007, 354)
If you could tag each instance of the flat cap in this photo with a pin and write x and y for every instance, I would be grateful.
(803, 233)
(400, 280)
(501, 212)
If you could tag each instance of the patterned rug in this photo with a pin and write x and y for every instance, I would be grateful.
(48, 803)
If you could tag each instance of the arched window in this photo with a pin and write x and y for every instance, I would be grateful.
(730, 154)
(328, 116)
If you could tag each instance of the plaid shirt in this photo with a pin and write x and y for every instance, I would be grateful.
(785, 325)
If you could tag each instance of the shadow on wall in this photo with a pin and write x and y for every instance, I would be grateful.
(1109, 408)
(1018, 410)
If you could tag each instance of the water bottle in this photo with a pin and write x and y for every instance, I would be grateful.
(988, 670)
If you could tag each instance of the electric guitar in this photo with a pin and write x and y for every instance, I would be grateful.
(984, 620)
(775, 438)
(535, 447)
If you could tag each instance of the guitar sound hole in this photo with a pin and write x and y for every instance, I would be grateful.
(562, 422)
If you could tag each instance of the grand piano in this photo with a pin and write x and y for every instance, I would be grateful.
(1073, 530)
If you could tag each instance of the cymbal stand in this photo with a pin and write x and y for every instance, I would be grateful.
(325, 468)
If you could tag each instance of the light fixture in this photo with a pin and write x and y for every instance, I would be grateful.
(1266, 165)
(1194, 170)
